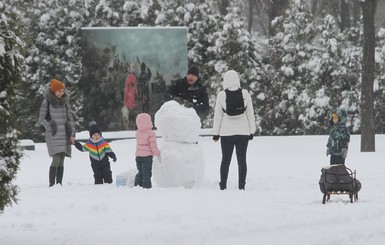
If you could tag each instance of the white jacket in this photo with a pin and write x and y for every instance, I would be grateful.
(225, 125)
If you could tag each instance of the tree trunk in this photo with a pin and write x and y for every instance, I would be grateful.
(356, 13)
(367, 101)
(345, 15)
(223, 5)
(251, 15)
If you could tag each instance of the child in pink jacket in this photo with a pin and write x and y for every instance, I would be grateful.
(146, 148)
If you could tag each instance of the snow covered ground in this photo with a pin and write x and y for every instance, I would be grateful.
(281, 203)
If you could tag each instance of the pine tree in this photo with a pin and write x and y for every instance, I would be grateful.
(10, 69)
(285, 82)
(333, 77)
(52, 51)
(216, 43)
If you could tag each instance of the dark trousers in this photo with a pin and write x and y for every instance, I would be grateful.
(334, 159)
(143, 177)
(228, 143)
(102, 172)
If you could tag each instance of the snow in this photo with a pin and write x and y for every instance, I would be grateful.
(176, 123)
(281, 203)
(182, 161)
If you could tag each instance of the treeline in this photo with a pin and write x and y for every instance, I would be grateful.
(306, 67)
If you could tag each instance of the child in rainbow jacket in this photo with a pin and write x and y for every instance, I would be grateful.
(99, 151)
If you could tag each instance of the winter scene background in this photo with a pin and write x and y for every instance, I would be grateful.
(281, 203)
(299, 59)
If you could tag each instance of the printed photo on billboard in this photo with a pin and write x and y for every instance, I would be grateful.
(126, 71)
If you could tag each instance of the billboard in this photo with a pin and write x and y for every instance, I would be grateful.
(126, 71)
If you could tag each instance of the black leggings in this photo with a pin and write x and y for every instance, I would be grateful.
(228, 143)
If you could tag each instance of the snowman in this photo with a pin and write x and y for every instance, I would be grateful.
(182, 162)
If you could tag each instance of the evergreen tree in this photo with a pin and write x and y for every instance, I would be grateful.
(235, 49)
(308, 71)
(10, 69)
(215, 43)
(332, 75)
(52, 51)
(286, 83)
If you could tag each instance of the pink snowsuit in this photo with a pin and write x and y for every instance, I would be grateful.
(145, 137)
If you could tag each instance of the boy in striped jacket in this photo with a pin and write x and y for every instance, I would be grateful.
(99, 151)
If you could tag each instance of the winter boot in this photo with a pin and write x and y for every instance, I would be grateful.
(241, 186)
(52, 176)
(59, 175)
(222, 185)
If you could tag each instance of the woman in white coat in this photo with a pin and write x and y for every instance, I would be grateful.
(233, 130)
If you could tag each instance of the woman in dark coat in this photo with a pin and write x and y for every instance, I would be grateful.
(56, 117)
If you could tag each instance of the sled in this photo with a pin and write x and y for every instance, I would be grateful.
(339, 180)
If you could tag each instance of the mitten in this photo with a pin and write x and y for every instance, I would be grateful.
(251, 136)
(344, 153)
(53, 125)
(188, 105)
(114, 159)
(215, 137)
(179, 100)
(78, 145)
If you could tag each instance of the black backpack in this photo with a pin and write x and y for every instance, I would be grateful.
(234, 103)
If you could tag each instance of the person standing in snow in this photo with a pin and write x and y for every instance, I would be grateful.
(130, 94)
(190, 91)
(146, 148)
(144, 87)
(99, 151)
(233, 130)
(339, 137)
(56, 117)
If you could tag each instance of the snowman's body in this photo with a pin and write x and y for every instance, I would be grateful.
(182, 161)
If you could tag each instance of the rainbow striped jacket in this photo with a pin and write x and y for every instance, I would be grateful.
(98, 150)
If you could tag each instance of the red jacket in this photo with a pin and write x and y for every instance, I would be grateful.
(130, 91)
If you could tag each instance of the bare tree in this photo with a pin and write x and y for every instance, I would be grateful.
(367, 101)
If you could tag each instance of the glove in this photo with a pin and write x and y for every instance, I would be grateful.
(114, 159)
(215, 137)
(188, 104)
(344, 152)
(53, 125)
(251, 136)
(78, 145)
(179, 100)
